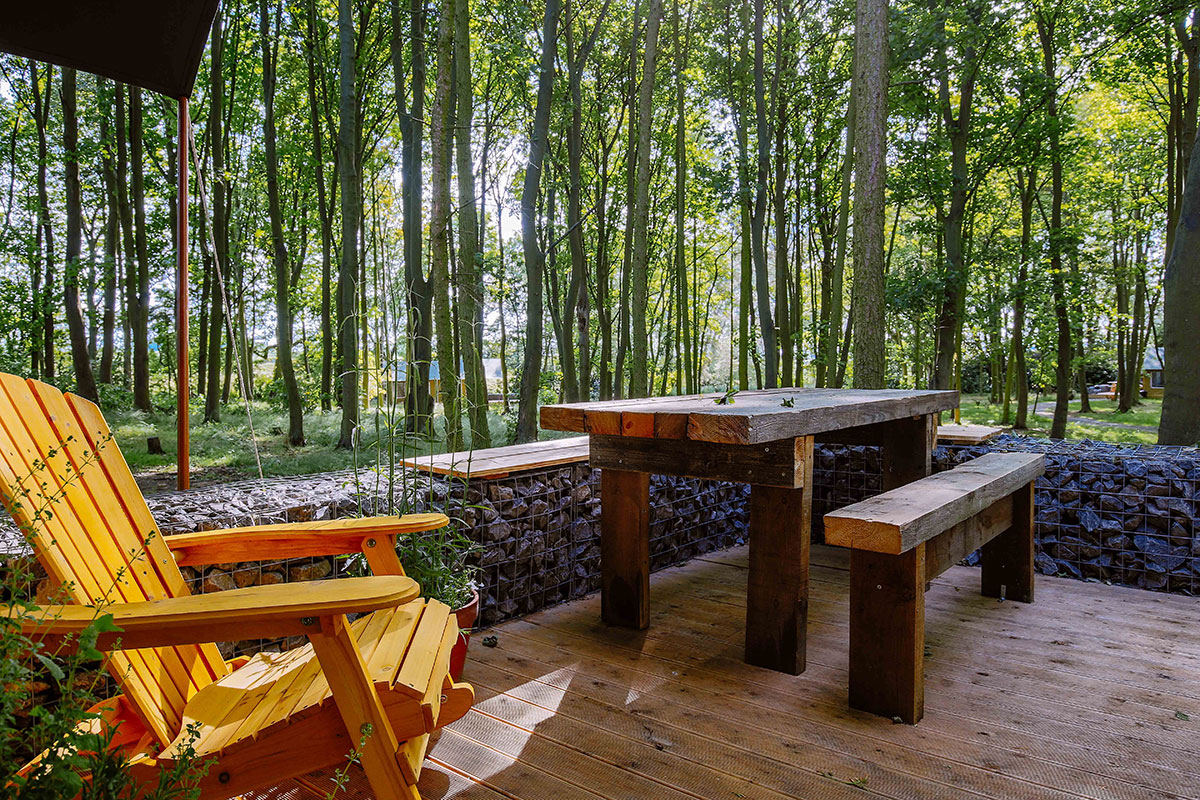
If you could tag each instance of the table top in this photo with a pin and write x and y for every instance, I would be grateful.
(749, 417)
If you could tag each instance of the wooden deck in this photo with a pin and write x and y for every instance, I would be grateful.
(1092, 692)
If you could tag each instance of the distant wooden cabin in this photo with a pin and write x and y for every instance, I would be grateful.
(1152, 373)
(1152, 378)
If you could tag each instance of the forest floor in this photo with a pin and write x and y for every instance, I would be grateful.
(1103, 422)
(224, 451)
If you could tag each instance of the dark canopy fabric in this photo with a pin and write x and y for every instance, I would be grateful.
(155, 44)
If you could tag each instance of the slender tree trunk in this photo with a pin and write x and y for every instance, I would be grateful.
(349, 180)
(870, 96)
(440, 141)
(758, 220)
(111, 232)
(216, 318)
(1027, 187)
(639, 265)
(85, 381)
(141, 320)
(324, 206)
(470, 253)
(833, 318)
(279, 253)
(681, 166)
(1046, 22)
(45, 301)
(527, 423)
(631, 149)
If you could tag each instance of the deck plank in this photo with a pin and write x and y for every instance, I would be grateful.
(1073, 697)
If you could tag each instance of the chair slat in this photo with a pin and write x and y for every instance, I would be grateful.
(99, 539)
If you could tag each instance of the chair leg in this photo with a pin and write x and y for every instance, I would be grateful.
(1006, 562)
(887, 633)
(361, 710)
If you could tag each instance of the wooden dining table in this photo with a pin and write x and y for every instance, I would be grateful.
(763, 438)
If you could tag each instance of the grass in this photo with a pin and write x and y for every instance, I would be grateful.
(978, 410)
(224, 451)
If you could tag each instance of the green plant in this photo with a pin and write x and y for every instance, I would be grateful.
(47, 689)
(439, 562)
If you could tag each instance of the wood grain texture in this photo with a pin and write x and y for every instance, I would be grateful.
(777, 586)
(294, 539)
(253, 612)
(498, 462)
(887, 633)
(752, 417)
(625, 548)
(1007, 560)
(779, 463)
(899, 519)
(362, 711)
(1064, 711)
(959, 541)
(967, 434)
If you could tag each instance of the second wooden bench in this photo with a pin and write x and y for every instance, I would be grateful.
(904, 538)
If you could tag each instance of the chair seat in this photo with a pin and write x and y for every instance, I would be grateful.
(406, 651)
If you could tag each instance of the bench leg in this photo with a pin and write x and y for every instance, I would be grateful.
(1007, 560)
(777, 587)
(887, 633)
(625, 548)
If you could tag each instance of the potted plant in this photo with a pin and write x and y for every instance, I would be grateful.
(438, 561)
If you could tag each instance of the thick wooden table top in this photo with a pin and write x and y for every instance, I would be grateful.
(753, 417)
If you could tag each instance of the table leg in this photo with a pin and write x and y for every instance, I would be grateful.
(887, 594)
(625, 548)
(777, 587)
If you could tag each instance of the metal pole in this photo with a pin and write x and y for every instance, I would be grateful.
(183, 370)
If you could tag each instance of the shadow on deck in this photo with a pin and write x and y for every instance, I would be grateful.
(1094, 691)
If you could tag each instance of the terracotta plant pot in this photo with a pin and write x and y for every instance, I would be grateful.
(466, 620)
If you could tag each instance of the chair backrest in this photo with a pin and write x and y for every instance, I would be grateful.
(68, 487)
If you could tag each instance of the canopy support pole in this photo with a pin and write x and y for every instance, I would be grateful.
(183, 371)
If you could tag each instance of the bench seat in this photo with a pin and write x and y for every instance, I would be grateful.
(902, 539)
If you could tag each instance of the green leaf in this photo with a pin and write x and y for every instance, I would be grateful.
(54, 669)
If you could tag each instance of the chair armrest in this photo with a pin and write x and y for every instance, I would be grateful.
(331, 537)
(257, 612)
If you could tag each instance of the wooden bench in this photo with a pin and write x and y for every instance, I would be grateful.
(499, 462)
(902, 539)
(967, 434)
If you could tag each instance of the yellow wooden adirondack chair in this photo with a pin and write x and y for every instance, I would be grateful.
(380, 685)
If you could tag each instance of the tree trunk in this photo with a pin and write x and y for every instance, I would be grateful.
(141, 301)
(348, 179)
(45, 302)
(531, 371)
(870, 151)
(216, 318)
(324, 208)
(418, 402)
(1027, 188)
(440, 142)
(1046, 34)
(1180, 422)
(639, 263)
(832, 316)
(681, 166)
(470, 255)
(85, 381)
(111, 231)
(279, 253)
(758, 219)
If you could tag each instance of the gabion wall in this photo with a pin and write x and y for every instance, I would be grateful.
(1109, 512)
(540, 532)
